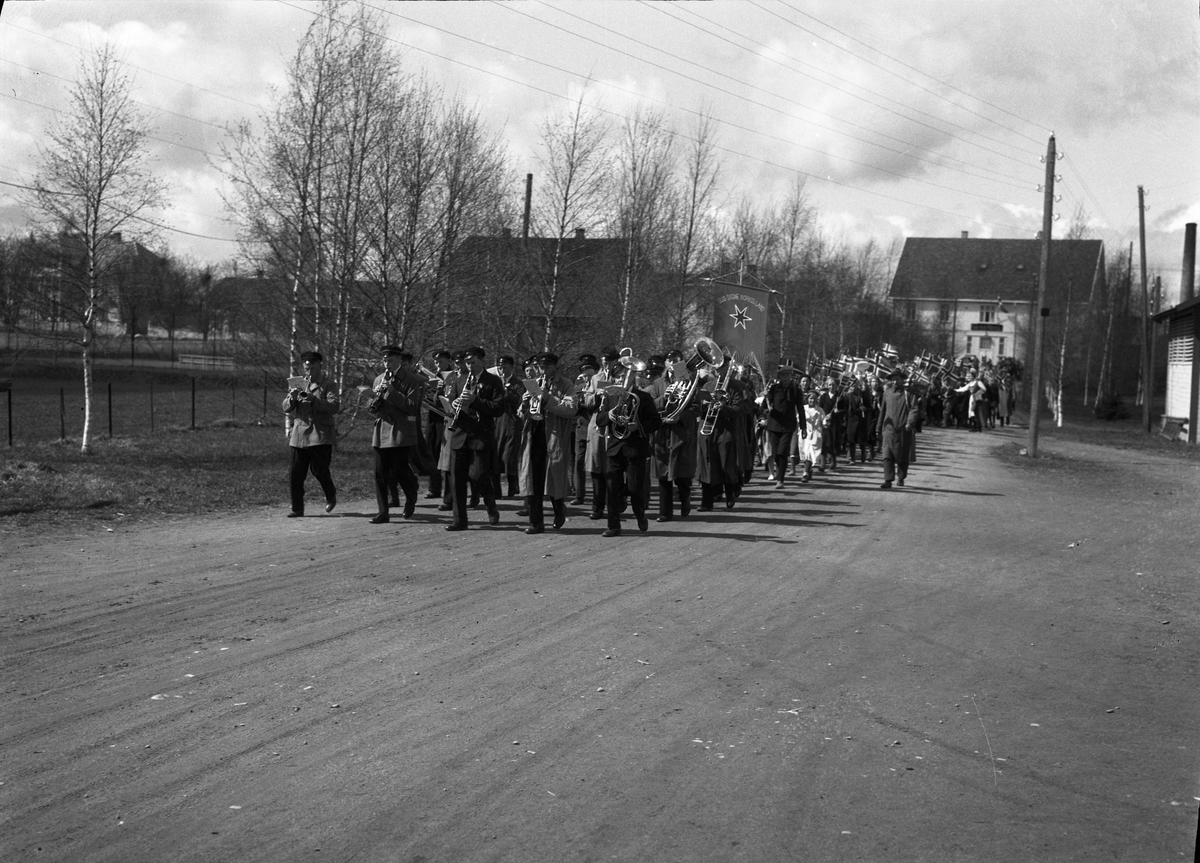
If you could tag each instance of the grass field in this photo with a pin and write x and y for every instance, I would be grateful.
(235, 458)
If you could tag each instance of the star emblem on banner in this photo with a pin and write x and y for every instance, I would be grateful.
(740, 316)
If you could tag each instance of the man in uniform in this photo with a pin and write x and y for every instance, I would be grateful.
(588, 366)
(311, 431)
(897, 414)
(544, 458)
(627, 452)
(508, 436)
(397, 411)
(435, 427)
(478, 398)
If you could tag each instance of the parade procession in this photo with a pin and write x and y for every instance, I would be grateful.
(614, 432)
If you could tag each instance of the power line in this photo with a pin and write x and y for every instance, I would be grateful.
(907, 66)
(691, 111)
(1019, 183)
(662, 9)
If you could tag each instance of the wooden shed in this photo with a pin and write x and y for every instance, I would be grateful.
(1183, 369)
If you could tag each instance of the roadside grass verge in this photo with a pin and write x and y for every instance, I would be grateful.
(221, 467)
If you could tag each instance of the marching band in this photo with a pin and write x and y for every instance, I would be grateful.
(629, 426)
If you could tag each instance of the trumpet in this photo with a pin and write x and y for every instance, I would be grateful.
(375, 405)
(623, 416)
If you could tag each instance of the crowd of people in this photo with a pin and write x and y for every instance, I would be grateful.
(617, 430)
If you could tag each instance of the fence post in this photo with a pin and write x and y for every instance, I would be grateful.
(110, 410)
(62, 413)
(151, 406)
(193, 404)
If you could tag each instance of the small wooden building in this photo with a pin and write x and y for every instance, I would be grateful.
(1183, 369)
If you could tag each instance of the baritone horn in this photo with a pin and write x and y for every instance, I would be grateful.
(706, 354)
(622, 416)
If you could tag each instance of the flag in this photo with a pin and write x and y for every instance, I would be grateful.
(740, 319)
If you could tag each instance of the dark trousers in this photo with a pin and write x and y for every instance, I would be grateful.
(626, 472)
(779, 445)
(392, 466)
(666, 505)
(461, 461)
(579, 474)
(537, 473)
(315, 460)
(896, 446)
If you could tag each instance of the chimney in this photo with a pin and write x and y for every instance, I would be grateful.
(580, 233)
(1187, 285)
(964, 235)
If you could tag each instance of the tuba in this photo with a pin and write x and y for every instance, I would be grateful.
(681, 394)
(622, 416)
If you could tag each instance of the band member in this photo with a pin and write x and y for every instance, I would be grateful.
(628, 419)
(470, 436)
(897, 414)
(311, 432)
(545, 463)
(597, 445)
(508, 438)
(785, 416)
(451, 379)
(674, 455)
(588, 366)
(396, 407)
(717, 466)
(435, 428)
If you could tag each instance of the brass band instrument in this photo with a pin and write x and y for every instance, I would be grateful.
(375, 405)
(535, 402)
(623, 416)
(681, 394)
(719, 397)
(461, 421)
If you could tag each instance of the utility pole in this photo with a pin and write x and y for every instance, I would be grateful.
(1147, 372)
(1035, 397)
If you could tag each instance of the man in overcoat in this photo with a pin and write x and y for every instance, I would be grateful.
(312, 431)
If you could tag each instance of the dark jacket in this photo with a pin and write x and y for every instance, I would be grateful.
(637, 443)
(477, 422)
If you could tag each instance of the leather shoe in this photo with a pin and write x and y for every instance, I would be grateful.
(537, 528)
(382, 518)
(559, 521)
(494, 517)
(900, 482)
(455, 527)
(596, 516)
(663, 518)
(887, 484)
(779, 485)
(643, 524)
(522, 513)
(394, 503)
(704, 508)
(576, 501)
(330, 504)
(729, 503)
(612, 531)
(294, 514)
(444, 507)
(409, 508)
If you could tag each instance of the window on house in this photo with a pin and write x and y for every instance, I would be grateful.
(987, 314)
(1001, 351)
(985, 343)
(968, 344)
(910, 311)
(944, 313)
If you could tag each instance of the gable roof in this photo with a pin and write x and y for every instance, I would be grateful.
(975, 269)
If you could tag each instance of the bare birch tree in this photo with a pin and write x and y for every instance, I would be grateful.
(576, 164)
(93, 188)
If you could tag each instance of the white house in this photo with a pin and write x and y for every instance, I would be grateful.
(979, 294)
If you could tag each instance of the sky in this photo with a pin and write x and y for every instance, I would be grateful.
(922, 118)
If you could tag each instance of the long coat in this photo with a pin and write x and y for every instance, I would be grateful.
(717, 454)
(558, 416)
(508, 429)
(597, 439)
(398, 414)
(310, 422)
(674, 455)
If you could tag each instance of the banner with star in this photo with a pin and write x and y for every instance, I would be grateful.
(740, 319)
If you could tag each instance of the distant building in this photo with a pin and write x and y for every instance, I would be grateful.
(979, 294)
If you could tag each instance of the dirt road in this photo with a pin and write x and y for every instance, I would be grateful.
(998, 662)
